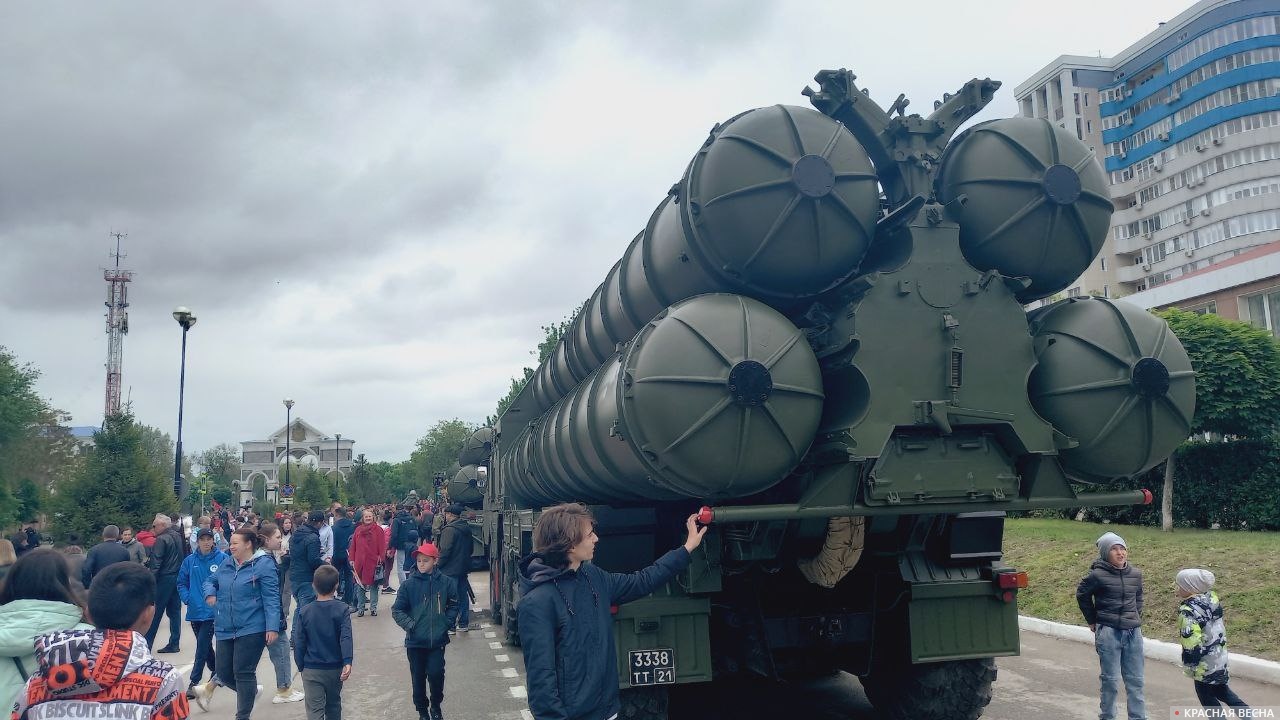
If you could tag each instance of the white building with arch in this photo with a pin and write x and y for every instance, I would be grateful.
(262, 461)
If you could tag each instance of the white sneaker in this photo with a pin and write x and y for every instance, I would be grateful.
(203, 692)
(287, 696)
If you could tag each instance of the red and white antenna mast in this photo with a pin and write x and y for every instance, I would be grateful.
(117, 326)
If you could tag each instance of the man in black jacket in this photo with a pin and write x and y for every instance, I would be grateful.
(103, 554)
(166, 559)
(1110, 598)
(343, 529)
(304, 558)
(455, 558)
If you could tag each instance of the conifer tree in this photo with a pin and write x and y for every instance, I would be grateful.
(116, 485)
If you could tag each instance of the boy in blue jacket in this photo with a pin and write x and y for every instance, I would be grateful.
(427, 608)
(322, 647)
(195, 569)
(566, 623)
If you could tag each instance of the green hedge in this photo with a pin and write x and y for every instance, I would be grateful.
(1234, 484)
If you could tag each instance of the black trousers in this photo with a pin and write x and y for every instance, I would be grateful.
(346, 589)
(1212, 696)
(167, 601)
(205, 655)
(426, 665)
(237, 662)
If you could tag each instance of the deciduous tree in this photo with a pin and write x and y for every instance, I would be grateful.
(1237, 382)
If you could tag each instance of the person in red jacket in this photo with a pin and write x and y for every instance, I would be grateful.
(366, 554)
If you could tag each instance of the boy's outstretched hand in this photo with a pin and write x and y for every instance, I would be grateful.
(695, 533)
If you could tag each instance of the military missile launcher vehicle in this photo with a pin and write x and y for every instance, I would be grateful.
(466, 484)
(819, 339)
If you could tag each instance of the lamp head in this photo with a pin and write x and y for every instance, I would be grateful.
(288, 402)
(185, 317)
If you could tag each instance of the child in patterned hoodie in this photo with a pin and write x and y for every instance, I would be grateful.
(1204, 639)
(107, 672)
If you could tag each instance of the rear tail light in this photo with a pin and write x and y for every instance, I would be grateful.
(1012, 580)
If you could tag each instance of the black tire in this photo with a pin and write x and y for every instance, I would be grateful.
(512, 631)
(956, 690)
(643, 703)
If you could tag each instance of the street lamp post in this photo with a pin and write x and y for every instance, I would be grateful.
(288, 436)
(186, 319)
(337, 486)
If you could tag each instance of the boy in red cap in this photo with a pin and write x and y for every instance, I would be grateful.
(426, 607)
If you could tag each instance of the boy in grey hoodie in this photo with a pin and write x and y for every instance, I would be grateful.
(1110, 598)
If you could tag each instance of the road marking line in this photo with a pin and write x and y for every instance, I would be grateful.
(495, 645)
(502, 658)
(526, 715)
(509, 672)
(484, 625)
(491, 635)
(519, 692)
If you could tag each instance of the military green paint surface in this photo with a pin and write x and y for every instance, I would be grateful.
(717, 370)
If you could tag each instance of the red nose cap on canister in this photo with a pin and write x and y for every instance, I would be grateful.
(706, 515)
(1146, 496)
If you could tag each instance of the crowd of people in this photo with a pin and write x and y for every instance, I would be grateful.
(78, 628)
(242, 581)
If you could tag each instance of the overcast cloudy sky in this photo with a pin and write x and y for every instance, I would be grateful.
(372, 207)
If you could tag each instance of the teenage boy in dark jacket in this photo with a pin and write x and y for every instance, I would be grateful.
(566, 623)
(1110, 598)
(426, 607)
(322, 647)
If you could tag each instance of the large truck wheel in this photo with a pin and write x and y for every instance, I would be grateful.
(643, 703)
(955, 690)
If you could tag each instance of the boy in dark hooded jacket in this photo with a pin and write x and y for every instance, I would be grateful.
(426, 607)
(1110, 598)
(566, 623)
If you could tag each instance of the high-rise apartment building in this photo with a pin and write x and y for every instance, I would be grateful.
(1186, 123)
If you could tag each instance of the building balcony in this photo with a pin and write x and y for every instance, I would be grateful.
(1132, 273)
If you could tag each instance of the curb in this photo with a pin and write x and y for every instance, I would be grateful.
(1241, 666)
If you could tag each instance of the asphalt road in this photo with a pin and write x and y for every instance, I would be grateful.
(1052, 679)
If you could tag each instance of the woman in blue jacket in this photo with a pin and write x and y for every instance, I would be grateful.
(195, 569)
(566, 626)
(245, 595)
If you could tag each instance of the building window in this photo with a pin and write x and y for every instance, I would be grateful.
(1106, 291)
(1209, 308)
(1262, 310)
(1104, 263)
(1074, 292)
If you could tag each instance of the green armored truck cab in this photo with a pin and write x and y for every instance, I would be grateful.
(819, 342)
